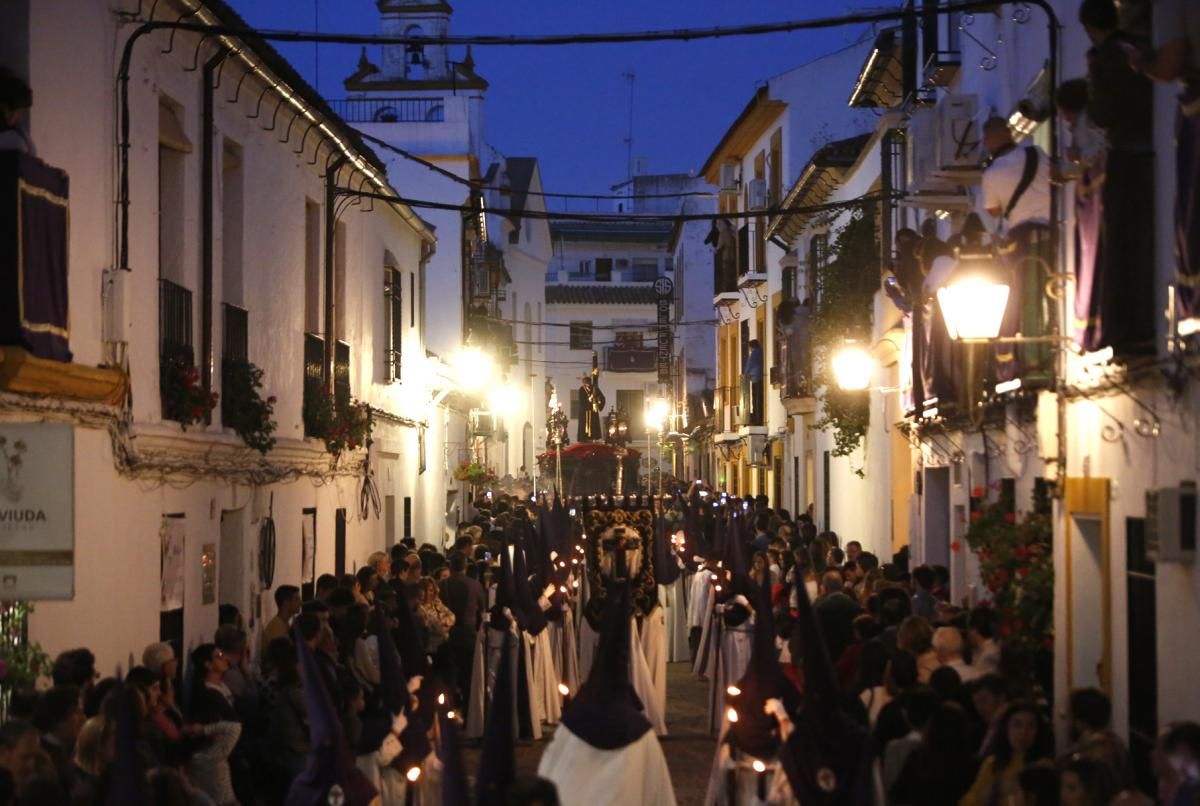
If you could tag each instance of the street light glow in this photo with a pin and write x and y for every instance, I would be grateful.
(504, 400)
(657, 411)
(473, 369)
(973, 306)
(852, 368)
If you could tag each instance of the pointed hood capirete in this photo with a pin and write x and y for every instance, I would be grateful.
(756, 732)
(126, 785)
(454, 776)
(606, 712)
(330, 761)
(497, 761)
(666, 569)
(828, 758)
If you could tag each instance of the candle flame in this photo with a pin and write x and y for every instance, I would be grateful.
(413, 774)
(759, 766)
(563, 690)
(733, 691)
(731, 715)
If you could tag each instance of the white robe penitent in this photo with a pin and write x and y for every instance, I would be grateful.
(674, 598)
(587, 776)
(725, 655)
(654, 647)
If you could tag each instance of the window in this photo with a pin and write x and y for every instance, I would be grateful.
(173, 148)
(632, 402)
(393, 314)
(645, 271)
(775, 167)
(340, 319)
(581, 335)
(231, 224)
(669, 264)
(789, 283)
(412, 300)
(575, 404)
(312, 267)
(604, 266)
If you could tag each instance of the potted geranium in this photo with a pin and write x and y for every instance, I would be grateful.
(184, 399)
(243, 407)
(475, 474)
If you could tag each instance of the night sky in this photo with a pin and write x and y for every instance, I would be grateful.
(569, 106)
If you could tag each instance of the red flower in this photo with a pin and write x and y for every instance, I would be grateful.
(984, 555)
(956, 546)
(1023, 571)
(977, 492)
(1005, 630)
(1048, 642)
(1009, 517)
(1021, 551)
(196, 413)
(976, 516)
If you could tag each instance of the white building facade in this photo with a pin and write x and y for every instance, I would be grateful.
(225, 259)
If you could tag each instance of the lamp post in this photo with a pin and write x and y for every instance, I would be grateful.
(616, 430)
(657, 412)
(556, 428)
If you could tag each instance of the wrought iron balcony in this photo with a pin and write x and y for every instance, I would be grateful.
(390, 110)
(630, 359)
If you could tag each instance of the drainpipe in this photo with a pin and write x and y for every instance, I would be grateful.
(331, 197)
(207, 164)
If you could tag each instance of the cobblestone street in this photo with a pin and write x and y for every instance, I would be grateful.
(688, 748)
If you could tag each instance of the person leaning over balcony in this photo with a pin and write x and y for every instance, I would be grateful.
(1120, 102)
(1016, 193)
(1176, 57)
(752, 373)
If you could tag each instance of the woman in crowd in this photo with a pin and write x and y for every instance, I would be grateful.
(1022, 740)
(434, 616)
(213, 719)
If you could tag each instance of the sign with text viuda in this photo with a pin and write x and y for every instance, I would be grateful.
(37, 511)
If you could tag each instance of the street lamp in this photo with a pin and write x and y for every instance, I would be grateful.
(504, 400)
(974, 299)
(616, 429)
(852, 367)
(657, 411)
(473, 369)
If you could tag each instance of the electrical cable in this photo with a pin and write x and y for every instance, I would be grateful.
(543, 194)
(611, 218)
(602, 38)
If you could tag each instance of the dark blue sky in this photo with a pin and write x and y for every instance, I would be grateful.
(569, 105)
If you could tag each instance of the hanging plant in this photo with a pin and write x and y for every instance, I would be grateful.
(22, 661)
(183, 398)
(1016, 566)
(845, 290)
(243, 408)
(343, 427)
(475, 473)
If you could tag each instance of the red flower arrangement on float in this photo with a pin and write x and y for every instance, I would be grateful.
(1016, 566)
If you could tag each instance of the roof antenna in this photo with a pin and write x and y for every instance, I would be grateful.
(630, 77)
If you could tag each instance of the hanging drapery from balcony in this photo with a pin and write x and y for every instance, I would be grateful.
(1187, 200)
(34, 311)
(1088, 215)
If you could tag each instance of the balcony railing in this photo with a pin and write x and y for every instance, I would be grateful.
(235, 349)
(725, 409)
(341, 374)
(175, 322)
(314, 358)
(493, 335)
(390, 110)
(630, 359)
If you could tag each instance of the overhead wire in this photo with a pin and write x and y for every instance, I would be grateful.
(540, 193)
(630, 218)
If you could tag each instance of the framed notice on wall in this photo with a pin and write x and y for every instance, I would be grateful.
(171, 544)
(308, 553)
(37, 511)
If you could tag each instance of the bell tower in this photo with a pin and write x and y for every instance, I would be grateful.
(415, 67)
(415, 18)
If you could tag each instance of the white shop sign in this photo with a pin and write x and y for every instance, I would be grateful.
(37, 511)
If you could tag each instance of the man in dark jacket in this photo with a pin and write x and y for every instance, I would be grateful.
(835, 612)
(467, 600)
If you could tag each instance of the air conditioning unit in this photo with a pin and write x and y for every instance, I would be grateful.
(1171, 524)
(921, 152)
(758, 194)
(959, 134)
(729, 176)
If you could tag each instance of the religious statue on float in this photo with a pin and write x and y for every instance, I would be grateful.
(591, 403)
